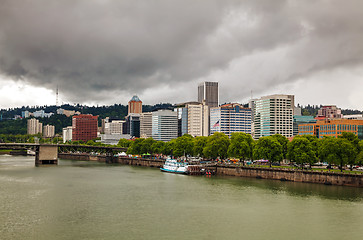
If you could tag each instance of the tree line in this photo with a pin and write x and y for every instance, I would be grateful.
(347, 149)
(302, 150)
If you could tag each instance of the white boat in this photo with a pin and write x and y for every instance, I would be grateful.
(173, 166)
(30, 152)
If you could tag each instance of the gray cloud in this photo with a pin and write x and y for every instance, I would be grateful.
(89, 48)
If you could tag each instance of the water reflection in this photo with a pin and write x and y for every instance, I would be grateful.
(304, 190)
(92, 200)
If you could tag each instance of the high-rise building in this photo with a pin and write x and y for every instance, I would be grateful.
(132, 125)
(146, 125)
(34, 126)
(84, 127)
(67, 134)
(208, 95)
(194, 118)
(208, 92)
(135, 105)
(164, 125)
(332, 128)
(230, 118)
(48, 131)
(182, 112)
(330, 112)
(273, 115)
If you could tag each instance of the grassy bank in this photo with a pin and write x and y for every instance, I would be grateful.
(5, 151)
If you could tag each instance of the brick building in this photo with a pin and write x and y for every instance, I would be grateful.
(84, 127)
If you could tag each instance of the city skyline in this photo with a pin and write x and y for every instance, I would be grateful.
(161, 51)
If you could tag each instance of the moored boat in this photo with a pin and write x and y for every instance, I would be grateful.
(173, 166)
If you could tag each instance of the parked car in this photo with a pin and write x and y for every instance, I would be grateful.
(360, 168)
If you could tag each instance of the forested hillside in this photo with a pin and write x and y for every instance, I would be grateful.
(19, 126)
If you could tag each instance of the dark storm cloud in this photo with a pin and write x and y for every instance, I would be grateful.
(87, 47)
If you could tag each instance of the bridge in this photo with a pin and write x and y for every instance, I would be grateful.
(48, 153)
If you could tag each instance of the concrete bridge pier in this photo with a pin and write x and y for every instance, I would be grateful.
(46, 155)
(110, 157)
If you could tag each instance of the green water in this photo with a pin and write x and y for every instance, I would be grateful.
(89, 200)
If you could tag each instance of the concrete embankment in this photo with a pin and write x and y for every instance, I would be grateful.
(122, 160)
(294, 175)
(322, 177)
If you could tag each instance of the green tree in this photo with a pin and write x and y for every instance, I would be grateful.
(301, 150)
(146, 146)
(217, 146)
(124, 143)
(135, 146)
(283, 142)
(241, 146)
(168, 148)
(158, 147)
(314, 142)
(337, 151)
(183, 145)
(198, 146)
(359, 159)
(268, 148)
(91, 142)
(353, 139)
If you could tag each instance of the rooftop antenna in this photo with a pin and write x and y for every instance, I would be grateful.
(251, 95)
(56, 97)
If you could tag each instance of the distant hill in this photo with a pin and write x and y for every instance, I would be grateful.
(312, 110)
(19, 126)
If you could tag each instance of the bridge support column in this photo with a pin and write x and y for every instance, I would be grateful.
(46, 155)
(109, 156)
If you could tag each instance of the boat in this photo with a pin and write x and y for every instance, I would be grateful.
(30, 152)
(173, 166)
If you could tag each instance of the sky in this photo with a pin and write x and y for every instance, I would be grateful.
(102, 52)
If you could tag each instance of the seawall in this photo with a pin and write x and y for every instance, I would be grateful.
(122, 160)
(294, 175)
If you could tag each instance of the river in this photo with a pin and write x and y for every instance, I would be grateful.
(92, 200)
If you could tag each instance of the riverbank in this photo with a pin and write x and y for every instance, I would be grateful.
(293, 175)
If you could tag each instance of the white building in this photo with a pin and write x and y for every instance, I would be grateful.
(113, 139)
(273, 115)
(34, 126)
(194, 118)
(164, 125)
(146, 125)
(67, 134)
(114, 127)
(198, 120)
(354, 116)
(230, 118)
(25, 114)
(48, 131)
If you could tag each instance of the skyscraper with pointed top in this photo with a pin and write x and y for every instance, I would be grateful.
(135, 105)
